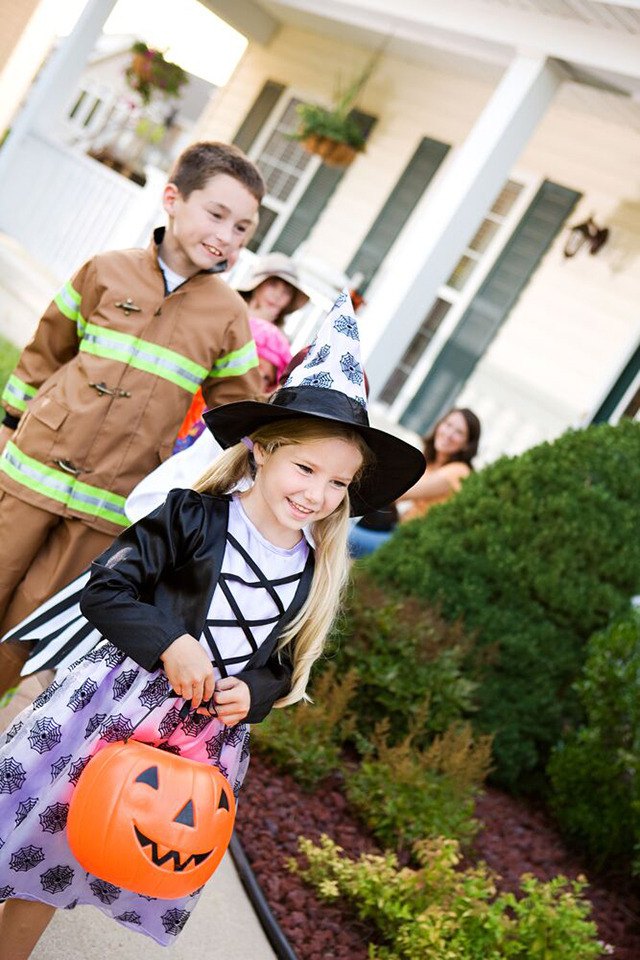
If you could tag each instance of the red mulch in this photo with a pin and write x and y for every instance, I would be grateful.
(517, 838)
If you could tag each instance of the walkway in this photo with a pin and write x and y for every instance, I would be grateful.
(223, 925)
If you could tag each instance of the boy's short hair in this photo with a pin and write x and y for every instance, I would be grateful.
(201, 161)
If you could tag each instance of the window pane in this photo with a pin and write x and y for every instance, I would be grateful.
(462, 272)
(484, 236)
(394, 385)
(415, 350)
(506, 198)
(283, 160)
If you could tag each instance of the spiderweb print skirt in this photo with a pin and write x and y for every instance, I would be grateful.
(96, 702)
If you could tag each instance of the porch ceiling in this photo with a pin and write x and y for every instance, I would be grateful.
(596, 43)
(600, 41)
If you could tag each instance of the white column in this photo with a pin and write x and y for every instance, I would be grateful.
(449, 214)
(58, 78)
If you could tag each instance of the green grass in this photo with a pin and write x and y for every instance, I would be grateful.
(9, 354)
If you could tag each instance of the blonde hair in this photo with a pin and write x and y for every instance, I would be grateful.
(310, 628)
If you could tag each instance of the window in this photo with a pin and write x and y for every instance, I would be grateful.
(287, 169)
(455, 295)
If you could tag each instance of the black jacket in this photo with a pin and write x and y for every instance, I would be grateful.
(156, 581)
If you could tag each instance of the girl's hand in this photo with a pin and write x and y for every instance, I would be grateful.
(189, 670)
(232, 700)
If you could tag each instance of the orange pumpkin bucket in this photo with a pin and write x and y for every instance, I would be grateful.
(149, 821)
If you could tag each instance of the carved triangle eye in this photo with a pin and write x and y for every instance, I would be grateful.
(186, 815)
(224, 803)
(149, 776)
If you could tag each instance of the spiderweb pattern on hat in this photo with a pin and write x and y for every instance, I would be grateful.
(333, 360)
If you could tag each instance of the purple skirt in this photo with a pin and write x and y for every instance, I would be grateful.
(97, 701)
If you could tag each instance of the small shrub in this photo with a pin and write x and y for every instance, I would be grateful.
(306, 740)
(535, 553)
(403, 793)
(443, 912)
(405, 655)
(595, 770)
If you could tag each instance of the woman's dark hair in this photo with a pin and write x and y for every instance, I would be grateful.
(469, 450)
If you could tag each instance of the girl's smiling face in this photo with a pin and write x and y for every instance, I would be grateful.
(270, 298)
(299, 484)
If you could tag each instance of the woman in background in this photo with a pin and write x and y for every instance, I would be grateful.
(449, 451)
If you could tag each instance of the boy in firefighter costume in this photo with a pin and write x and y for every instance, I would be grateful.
(97, 398)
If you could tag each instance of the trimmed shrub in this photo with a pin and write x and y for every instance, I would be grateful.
(406, 656)
(306, 740)
(595, 770)
(444, 912)
(535, 554)
(404, 794)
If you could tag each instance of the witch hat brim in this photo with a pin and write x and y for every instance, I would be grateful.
(397, 464)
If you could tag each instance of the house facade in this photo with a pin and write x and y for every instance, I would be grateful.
(494, 127)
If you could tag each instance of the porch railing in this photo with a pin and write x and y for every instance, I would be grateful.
(63, 206)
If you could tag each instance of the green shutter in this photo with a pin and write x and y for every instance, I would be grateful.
(491, 305)
(314, 199)
(258, 114)
(399, 205)
(620, 387)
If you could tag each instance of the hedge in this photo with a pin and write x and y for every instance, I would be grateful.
(535, 554)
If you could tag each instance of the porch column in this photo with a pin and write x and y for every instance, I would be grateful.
(58, 79)
(450, 213)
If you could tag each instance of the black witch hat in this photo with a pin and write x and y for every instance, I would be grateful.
(329, 385)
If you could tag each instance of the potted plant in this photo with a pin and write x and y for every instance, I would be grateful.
(149, 72)
(333, 133)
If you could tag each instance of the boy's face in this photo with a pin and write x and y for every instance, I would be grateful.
(209, 226)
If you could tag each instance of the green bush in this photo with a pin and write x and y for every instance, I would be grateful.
(306, 740)
(595, 770)
(406, 656)
(444, 912)
(535, 553)
(404, 794)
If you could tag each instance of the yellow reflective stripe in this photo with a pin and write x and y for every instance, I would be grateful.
(237, 362)
(62, 487)
(68, 303)
(143, 355)
(16, 393)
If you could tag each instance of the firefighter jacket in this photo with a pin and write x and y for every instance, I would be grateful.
(105, 383)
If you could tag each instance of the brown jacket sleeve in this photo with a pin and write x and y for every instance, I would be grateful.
(55, 342)
(235, 373)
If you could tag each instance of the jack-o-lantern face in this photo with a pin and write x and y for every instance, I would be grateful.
(149, 821)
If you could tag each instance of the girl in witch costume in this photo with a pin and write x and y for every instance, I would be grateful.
(218, 600)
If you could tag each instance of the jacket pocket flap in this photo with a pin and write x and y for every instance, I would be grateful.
(49, 412)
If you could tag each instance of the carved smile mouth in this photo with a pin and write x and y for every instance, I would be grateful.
(171, 858)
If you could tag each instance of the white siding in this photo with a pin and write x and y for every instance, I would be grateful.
(577, 322)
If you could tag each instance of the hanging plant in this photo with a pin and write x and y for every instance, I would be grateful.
(333, 133)
(149, 72)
